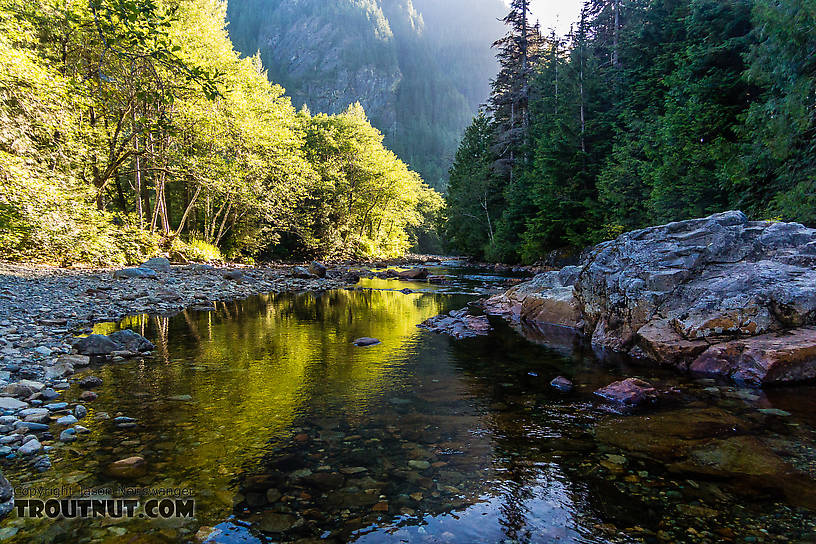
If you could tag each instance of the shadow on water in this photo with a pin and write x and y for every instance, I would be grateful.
(285, 431)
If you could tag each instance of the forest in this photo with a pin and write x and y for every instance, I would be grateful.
(648, 111)
(133, 127)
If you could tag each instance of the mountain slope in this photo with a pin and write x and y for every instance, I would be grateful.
(420, 68)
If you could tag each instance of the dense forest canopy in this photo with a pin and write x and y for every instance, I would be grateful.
(133, 124)
(648, 111)
(421, 68)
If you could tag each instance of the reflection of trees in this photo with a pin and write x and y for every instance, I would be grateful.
(253, 367)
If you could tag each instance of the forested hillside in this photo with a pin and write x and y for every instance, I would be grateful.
(421, 68)
(130, 126)
(648, 111)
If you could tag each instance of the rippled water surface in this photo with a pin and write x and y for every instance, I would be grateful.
(285, 431)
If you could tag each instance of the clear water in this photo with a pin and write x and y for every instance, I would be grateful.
(423, 438)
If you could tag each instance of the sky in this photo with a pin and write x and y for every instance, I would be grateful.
(557, 14)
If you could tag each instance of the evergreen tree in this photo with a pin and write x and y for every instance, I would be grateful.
(474, 199)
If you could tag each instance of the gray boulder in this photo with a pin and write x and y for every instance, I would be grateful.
(157, 264)
(131, 341)
(96, 345)
(128, 273)
(318, 269)
(301, 273)
(713, 295)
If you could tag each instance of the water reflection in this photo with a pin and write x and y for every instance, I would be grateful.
(288, 432)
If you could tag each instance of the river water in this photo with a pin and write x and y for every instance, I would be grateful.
(283, 431)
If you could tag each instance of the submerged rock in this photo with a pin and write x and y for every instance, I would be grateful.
(89, 382)
(365, 341)
(630, 393)
(131, 467)
(721, 295)
(562, 384)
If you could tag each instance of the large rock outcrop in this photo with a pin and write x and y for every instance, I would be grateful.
(720, 295)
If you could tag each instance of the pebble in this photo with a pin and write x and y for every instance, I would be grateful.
(66, 420)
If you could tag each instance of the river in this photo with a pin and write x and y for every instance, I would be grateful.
(283, 431)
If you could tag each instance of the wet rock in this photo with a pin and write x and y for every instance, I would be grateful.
(89, 382)
(413, 274)
(273, 495)
(68, 435)
(419, 464)
(738, 455)
(96, 345)
(562, 384)
(273, 522)
(157, 264)
(365, 341)
(768, 358)
(630, 393)
(668, 435)
(131, 341)
(324, 481)
(88, 396)
(80, 411)
(318, 269)
(130, 467)
(458, 324)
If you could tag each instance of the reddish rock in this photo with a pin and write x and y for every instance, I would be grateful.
(132, 467)
(768, 358)
(630, 392)
(414, 274)
(662, 343)
(88, 396)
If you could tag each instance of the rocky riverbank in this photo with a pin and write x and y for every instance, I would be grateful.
(721, 295)
(43, 309)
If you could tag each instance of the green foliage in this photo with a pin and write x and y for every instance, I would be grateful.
(660, 110)
(474, 202)
(195, 250)
(129, 122)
